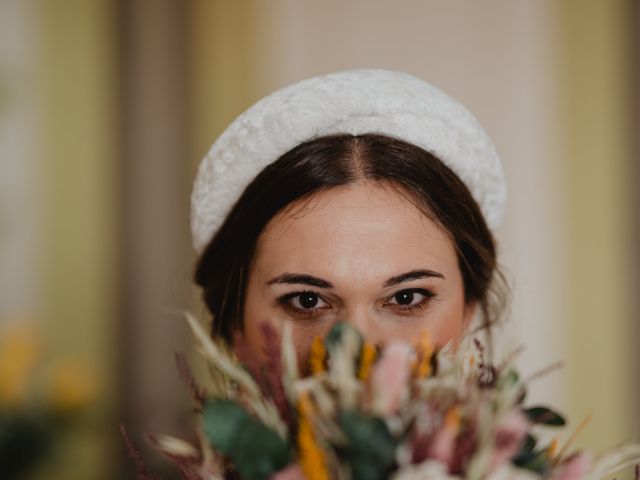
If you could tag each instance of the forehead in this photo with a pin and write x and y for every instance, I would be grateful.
(363, 230)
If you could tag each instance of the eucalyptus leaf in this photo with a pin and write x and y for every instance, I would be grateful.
(544, 416)
(510, 378)
(537, 461)
(256, 451)
(222, 420)
(529, 443)
(259, 452)
(337, 334)
(371, 448)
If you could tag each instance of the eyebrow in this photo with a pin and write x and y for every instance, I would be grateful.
(412, 275)
(301, 278)
(305, 279)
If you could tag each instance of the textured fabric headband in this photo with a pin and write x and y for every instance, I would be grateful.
(356, 102)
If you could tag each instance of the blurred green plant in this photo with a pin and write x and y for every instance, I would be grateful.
(39, 399)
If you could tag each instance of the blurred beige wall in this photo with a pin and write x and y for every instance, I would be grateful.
(598, 88)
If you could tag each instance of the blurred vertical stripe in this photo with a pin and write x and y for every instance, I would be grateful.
(634, 185)
(595, 79)
(79, 183)
(154, 265)
(221, 69)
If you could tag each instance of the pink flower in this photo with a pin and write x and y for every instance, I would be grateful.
(574, 467)
(442, 447)
(510, 433)
(390, 377)
(292, 472)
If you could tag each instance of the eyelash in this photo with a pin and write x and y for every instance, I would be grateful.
(310, 312)
(302, 312)
(428, 295)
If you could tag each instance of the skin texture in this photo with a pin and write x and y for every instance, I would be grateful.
(356, 238)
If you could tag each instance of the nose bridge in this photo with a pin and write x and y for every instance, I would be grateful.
(359, 316)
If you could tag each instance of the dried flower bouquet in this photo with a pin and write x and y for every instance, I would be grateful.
(403, 412)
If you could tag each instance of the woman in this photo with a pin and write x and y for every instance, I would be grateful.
(364, 196)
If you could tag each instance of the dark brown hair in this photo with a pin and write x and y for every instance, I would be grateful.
(326, 162)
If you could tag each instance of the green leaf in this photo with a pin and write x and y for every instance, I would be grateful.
(222, 421)
(527, 455)
(256, 451)
(510, 378)
(522, 395)
(371, 449)
(334, 340)
(536, 461)
(544, 416)
(26, 440)
(336, 335)
(259, 452)
(529, 443)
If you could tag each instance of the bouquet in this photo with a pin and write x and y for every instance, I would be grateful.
(402, 412)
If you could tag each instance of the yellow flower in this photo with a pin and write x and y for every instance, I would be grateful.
(424, 350)
(452, 418)
(71, 386)
(19, 349)
(318, 356)
(312, 458)
(553, 447)
(368, 356)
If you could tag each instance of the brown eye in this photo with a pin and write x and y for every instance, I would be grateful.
(409, 299)
(308, 300)
(404, 298)
(303, 303)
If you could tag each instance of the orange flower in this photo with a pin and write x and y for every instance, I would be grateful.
(368, 356)
(318, 356)
(452, 418)
(70, 386)
(19, 350)
(424, 351)
(553, 447)
(312, 458)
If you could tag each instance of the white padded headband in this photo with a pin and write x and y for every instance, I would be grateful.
(356, 102)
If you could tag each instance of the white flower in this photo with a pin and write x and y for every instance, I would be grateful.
(507, 471)
(431, 469)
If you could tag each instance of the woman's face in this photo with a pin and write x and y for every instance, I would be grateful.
(362, 254)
